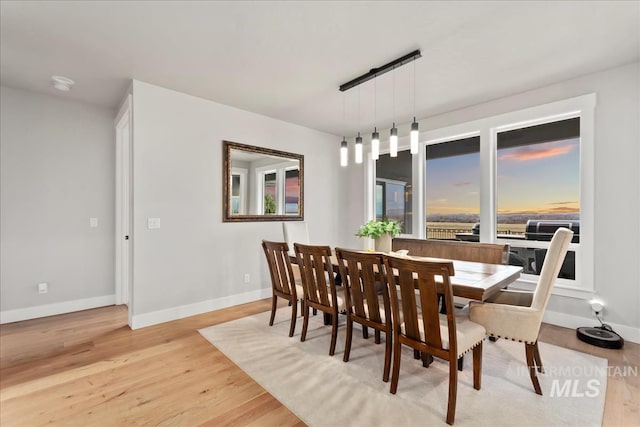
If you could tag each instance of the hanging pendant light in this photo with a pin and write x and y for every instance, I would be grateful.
(375, 144)
(344, 152)
(414, 136)
(375, 136)
(393, 135)
(358, 138)
(393, 141)
(415, 133)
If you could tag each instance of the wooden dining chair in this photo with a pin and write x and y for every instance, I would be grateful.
(366, 297)
(319, 287)
(283, 283)
(517, 315)
(445, 336)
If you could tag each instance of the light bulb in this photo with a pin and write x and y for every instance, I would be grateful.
(393, 142)
(375, 145)
(415, 136)
(358, 149)
(344, 153)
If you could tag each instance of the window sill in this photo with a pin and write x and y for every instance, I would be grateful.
(559, 289)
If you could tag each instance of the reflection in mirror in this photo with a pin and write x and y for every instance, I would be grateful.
(262, 184)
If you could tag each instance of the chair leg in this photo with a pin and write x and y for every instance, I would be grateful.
(477, 366)
(365, 332)
(377, 336)
(453, 393)
(347, 342)
(531, 364)
(396, 364)
(426, 359)
(334, 333)
(274, 303)
(536, 356)
(416, 354)
(388, 336)
(460, 363)
(305, 323)
(294, 314)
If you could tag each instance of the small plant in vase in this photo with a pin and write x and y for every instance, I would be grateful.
(382, 232)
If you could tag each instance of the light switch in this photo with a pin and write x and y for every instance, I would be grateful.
(153, 223)
(93, 222)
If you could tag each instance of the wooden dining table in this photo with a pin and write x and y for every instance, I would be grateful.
(473, 280)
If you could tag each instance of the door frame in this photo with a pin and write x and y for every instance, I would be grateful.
(123, 205)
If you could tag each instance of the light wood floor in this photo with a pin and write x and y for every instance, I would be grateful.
(89, 368)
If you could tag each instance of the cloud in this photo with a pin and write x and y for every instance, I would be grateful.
(563, 203)
(535, 153)
(462, 183)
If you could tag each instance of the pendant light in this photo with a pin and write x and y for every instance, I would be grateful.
(393, 135)
(358, 149)
(358, 138)
(344, 147)
(344, 152)
(375, 136)
(415, 133)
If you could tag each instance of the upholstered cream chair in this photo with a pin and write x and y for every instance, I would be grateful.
(295, 232)
(517, 315)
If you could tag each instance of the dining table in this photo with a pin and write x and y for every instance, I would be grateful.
(473, 280)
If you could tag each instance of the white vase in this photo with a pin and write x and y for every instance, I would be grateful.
(383, 243)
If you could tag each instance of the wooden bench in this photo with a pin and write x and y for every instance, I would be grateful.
(492, 253)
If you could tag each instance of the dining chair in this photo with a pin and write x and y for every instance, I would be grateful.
(517, 315)
(446, 336)
(283, 283)
(319, 287)
(366, 297)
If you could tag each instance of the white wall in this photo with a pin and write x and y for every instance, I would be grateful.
(57, 171)
(195, 262)
(617, 197)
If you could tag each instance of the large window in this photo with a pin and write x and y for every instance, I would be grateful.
(394, 189)
(538, 189)
(513, 178)
(452, 187)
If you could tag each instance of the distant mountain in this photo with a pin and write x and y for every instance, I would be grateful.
(519, 218)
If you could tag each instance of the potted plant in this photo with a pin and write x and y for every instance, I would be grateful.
(381, 232)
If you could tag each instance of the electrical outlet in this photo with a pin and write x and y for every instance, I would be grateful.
(93, 222)
(247, 278)
(43, 288)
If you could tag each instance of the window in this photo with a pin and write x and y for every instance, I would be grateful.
(279, 189)
(512, 178)
(452, 173)
(291, 191)
(538, 189)
(394, 189)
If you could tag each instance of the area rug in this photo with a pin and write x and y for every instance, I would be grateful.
(325, 391)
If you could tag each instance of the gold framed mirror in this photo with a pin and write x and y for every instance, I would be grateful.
(261, 184)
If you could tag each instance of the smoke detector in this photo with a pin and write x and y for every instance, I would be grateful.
(62, 83)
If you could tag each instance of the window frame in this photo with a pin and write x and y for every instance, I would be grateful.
(487, 129)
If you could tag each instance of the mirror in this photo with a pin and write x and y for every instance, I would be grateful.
(260, 184)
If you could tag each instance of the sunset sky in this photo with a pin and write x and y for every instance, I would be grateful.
(540, 178)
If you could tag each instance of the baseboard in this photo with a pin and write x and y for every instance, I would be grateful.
(35, 312)
(175, 313)
(629, 333)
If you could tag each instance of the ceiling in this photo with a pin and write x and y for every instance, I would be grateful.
(286, 59)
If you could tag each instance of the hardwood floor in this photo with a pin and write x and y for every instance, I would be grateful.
(89, 368)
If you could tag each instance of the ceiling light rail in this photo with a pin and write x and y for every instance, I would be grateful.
(375, 72)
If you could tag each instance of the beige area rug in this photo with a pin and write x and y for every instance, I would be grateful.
(324, 391)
